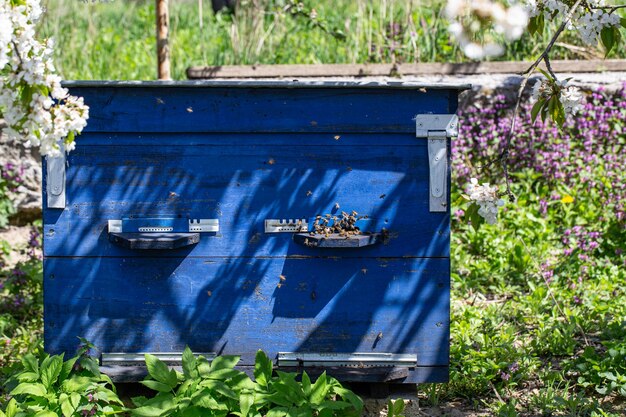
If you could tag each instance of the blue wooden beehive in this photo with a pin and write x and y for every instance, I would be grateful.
(186, 216)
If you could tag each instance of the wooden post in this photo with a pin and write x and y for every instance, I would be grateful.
(163, 48)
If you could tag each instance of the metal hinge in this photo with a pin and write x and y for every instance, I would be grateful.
(55, 188)
(295, 359)
(437, 128)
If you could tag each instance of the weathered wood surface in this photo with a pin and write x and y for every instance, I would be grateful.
(243, 180)
(238, 305)
(363, 70)
(256, 110)
(243, 155)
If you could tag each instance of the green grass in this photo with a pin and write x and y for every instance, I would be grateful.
(116, 40)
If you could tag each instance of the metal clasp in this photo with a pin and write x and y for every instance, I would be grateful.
(437, 128)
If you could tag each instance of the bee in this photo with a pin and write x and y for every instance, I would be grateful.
(309, 193)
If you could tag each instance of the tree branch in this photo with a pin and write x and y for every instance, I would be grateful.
(503, 158)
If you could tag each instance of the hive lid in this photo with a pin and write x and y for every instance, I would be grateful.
(391, 84)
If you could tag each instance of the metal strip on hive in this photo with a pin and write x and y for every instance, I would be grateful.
(170, 358)
(286, 226)
(288, 359)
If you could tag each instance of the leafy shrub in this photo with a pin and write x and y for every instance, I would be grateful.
(21, 305)
(10, 180)
(52, 387)
(216, 388)
(605, 372)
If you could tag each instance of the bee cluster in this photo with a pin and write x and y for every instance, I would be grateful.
(343, 226)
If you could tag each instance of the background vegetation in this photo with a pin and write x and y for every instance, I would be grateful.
(539, 300)
(116, 39)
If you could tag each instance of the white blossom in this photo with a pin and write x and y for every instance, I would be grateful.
(486, 197)
(587, 21)
(468, 18)
(37, 109)
(569, 96)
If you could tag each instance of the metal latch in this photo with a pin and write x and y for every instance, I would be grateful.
(135, 359)
(296, 359)
(55, 188)
(437, 128)
(286, 226)
(163, 225)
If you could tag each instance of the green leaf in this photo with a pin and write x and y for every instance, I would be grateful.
(147, 411)
(536, 109)
(280, 399)
(37, 390)
(224, 362)
(560, 114)
(246, 399)
(306, 384)
(11, 409)
(67, 367)
(262, 369)
(203, 366)
(189, 364)
(319, 390)
(204, 399)
(46, 413)
(77, 383)
(90, 364)
(157, 386)
(472, 216)
(546, 74)
(623, 22)
(334, 405)
(277, 412)
(192, 412)
(162, 401)
(75, 399)
(219, 387)
(607, 35)
(536, 24)
(27, 377)
(67, 408)
(350, 396)
(241, 381)
(160, 372)
(398, 407)
(31, 363)
(224, 374)
(50, 370)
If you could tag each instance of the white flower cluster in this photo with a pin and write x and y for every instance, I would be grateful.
(469, 17)
(569, 96)
(588, 21)
(36, 108)
(487, 199)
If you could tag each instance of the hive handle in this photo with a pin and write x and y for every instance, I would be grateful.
(154, 241)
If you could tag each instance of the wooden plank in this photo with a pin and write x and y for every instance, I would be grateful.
(395, 70)
(217, 109)
(243, 181)
(240, 305)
